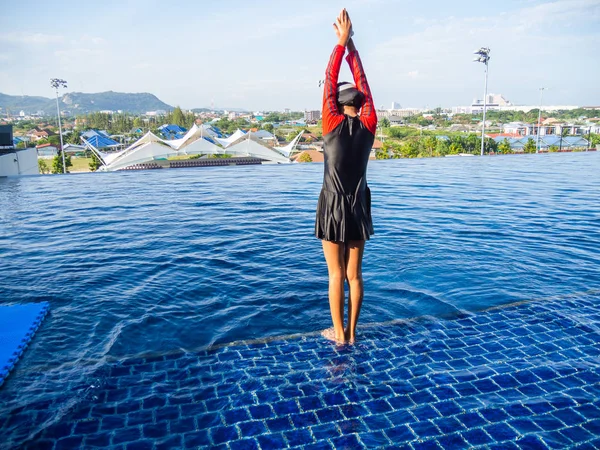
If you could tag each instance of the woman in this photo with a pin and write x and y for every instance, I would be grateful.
(343, 220)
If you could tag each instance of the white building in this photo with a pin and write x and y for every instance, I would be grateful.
(312, 116)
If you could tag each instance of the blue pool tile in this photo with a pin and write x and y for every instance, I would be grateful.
(540, 406)
(377, 422)
(304, 419)
(422, 397)
(424, 429)
(493, 415)
(261, 411)
(375, 439)
(400, 402)
(244, 444)
(452, 441)
(531, 443)
(524, 425)
(426, 445)
(196, 439)
(97, 440)
(350, 441)
(448, 424)
(352, 410)
(235, 415)
(298, 437)
(86, 426)
(471, 419)
(400, 433)
(352, 426)
(577, 434)
(279, 424)
(267, 396)
(588, 411)
(568, 416)
(518, 410)
(182, 425)
(271, 441)
(466, 388)
(208, 420)
(476, 437)
(329, 415)
(310, 403)
(325, 431)
(400, 417)
(170, 443)
(144, 444)
(425, 412)
(486, 386)
(322, 445)
(223, 434)
(252, 428)
(152, 430)
(555, 439)
(334, 398)
(447, 408)
(285, 407)
(377, 406)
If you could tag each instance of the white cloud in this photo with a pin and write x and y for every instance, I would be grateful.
(528, 49)
(31, 38)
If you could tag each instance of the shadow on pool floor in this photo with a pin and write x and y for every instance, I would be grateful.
(524, 376)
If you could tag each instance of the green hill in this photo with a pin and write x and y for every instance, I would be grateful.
(80, 103)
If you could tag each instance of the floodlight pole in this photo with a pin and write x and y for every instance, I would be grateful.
(539, 130)
(484, 57)
(56, 83)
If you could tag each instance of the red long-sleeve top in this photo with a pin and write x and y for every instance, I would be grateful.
(331, 116)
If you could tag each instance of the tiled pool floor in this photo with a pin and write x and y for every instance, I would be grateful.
(524, 376)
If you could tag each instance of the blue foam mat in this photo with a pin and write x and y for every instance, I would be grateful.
(18, 324)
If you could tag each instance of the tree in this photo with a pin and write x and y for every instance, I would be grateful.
(95, 163)
(138, 123)
(42, 166)
(385, 122)
(504, 147)
(73, 138)
(268, 127)
(57, 163)
(304, 158)
(429, 144)
(178, 118)
(529, 146)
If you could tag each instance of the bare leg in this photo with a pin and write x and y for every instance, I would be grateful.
(334, 255)
(354, 256)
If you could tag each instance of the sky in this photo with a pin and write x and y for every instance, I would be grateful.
(271, 54)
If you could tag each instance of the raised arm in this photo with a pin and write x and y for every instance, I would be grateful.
(368, 115)
(331, 115)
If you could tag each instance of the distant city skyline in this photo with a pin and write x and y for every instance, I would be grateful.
(267, 56)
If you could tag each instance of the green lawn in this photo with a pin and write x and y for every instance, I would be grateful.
(80, 165)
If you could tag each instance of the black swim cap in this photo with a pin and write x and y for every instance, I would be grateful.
(348, 95)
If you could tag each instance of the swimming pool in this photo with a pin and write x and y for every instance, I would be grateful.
(141, 264)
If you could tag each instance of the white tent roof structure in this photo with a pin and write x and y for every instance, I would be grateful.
(288, 149)
(249, 147)
(151, 147)
(226, 142)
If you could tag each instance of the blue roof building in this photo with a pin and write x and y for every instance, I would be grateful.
(99, 139)
(172, 131)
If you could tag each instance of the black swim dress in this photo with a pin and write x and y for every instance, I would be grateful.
(344, 206)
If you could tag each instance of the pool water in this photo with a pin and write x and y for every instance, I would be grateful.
(172, 262)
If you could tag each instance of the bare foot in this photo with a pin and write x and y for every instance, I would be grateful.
(350, 338)
(329, 334)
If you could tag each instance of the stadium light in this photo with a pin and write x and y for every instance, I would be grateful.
(57, 83)
(483, 56)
